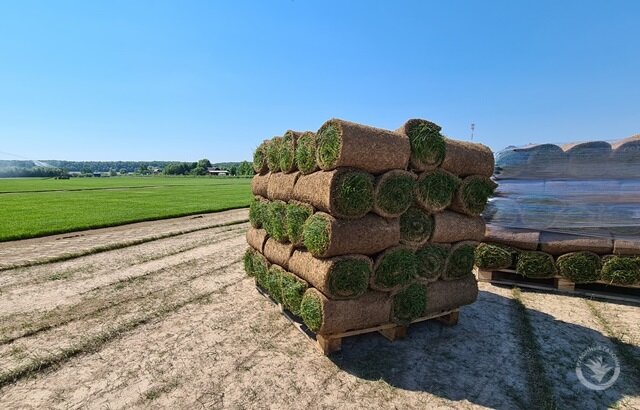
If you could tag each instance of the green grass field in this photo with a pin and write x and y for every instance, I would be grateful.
(31, 207)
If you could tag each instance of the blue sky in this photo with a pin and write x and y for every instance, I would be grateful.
(182, 80)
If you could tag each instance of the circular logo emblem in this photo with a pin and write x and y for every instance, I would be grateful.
(598, 368)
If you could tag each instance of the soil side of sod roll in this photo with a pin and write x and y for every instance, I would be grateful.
(460, 260)
(428, 147)
(258, 211)
(344, 192)
(517, 238)
(394, 193)
(326, 236)
(297, 215)
(257, 238)
(409, 304)
(329, 316)
(340, 277)
(626, 247)
(281, 186)
(416, 227)
(472, 195)
(464, 158)
(306, 153)
(431, 261)
(451, 294)
(275, 221)
(494, 256)
(394, 268)
(342, 143)
(273, 154)
(260, 159)
(558, 244)
(278, 253)
(580, 267)
(621, 270)
(535, 264)
(435, 189)
(293, 289)
(288, 146)
(260, 184)
(449, 227)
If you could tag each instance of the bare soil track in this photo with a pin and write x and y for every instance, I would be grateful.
(161, 315)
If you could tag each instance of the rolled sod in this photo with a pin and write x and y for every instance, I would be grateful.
(273, 154)
(468, 158)
(588, 159)
(297, 215)
(472, 195)
(329, 316)
(449, 227)
(346, 144)
(451, 294)
(260, 159)
(393, 193)
(278, 253)
(306, 153)
(281, 185)
(275, 220)
(393, 269)
(534, 264)
(416, 226)
(493, 256)
(247, 261)
(409, 304)
(260, 184)
(341, 277)
(344, 192)
(271, 282)
(288, 151)
(621, 270)
(626, 247)
(260, 266)
(460, 260)
(326, 236)
(257, 211)
(580, 267)
(558, 244)
(431, 260)
(517, 238)
(257, 238)
(428, 147)
(293, 289)
(435, 189)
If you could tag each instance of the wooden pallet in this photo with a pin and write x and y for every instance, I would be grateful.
(328, 344)
(599, 289)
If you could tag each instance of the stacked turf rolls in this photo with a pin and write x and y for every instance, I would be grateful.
(354, 226)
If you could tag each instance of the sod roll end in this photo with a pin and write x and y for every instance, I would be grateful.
(428, 146)
(493, 256)
(431, 260)
(580, 267)
(394, 268)
(534, 264)
(435, 189)
(273, 154)
(409, 304)
(296, 215)
(306, 153)
(460, 261)
(394, 193)
(260, 159)
(293, 289)
(416, 226)
(288, 146)
(472, 195)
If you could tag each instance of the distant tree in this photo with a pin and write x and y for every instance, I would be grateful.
(86, 170)
(112, 172)
(204, 163)
(199, 171)
(245, 168)
(234, 170)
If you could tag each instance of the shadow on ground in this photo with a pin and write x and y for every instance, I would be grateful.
(481, 361)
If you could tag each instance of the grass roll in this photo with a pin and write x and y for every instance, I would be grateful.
(275, 221)
(258, 211)
(247, 261)
(409, 304)
(449, 227)
(580, 267)
(260, 159)
(416, 226)
(447, 295)
(460, 260)
(288, 151)
(394, 193)
(492, 256)
(394, 268)
(278, 253)
(344, 193)
(256, 238)
(472, 195)
(271, 282)
(431, 261)
(273, 154)
(534, 264)
(329, 316)
(297, 215)
(260, 184)
(464, 158)
(326, 236)
(517, 238)
(428, 147)
(435, 189)
(306, 153)
(621, 270)
(340, 277)
(293, 289)
(281, 185)
(260, 266)
(558, 243)
(346, 144)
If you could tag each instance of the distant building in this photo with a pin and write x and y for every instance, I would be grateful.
(216, 172)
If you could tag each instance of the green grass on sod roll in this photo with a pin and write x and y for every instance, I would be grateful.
(273, 154)
(534, 264)
(275, 220)
(311, 311)
(328, 146)
(349, 278)
(272, 282)
(292, 292)
(306, 153)
(427, 144)
(316, 234)
(492, 256)
(460, 262)
(435, 189)
(260, 268)
(396, 194)
(287, 152)
(247, 261)
(416, 225)
(621, 270)
(259, 157)
(354, 193)
(476, 191)
(257, 212)
(296, 216)
(580, 267)
(409, 304)
(431, 260)
(397, 268)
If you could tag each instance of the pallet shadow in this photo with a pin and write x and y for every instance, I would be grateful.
(480, 360)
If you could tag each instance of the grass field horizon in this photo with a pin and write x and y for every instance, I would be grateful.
(35, 207)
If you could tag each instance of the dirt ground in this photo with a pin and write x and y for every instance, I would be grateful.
(173, 322)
